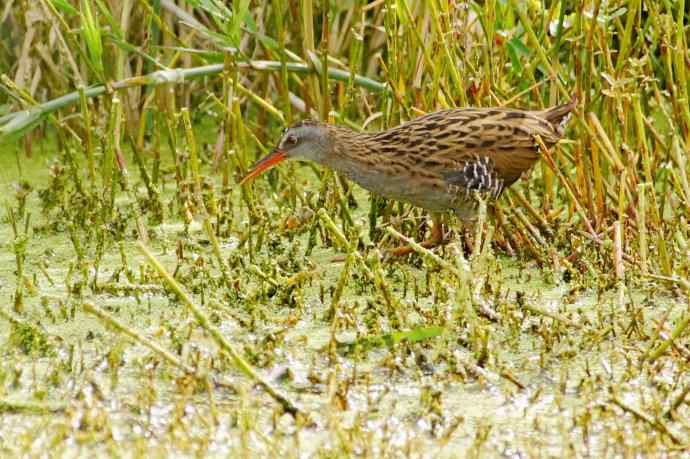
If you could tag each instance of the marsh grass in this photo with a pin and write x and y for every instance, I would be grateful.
(568, 296)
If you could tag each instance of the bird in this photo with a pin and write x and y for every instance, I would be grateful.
(442, 161)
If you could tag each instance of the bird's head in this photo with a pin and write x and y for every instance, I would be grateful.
(305, 140)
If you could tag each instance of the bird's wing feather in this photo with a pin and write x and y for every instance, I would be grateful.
(444, 142)
(507, 136)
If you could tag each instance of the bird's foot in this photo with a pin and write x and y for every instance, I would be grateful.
(438, 238)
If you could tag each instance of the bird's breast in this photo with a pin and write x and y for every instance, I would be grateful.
(425, 191)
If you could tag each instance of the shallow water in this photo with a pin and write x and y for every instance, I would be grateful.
(529, 386)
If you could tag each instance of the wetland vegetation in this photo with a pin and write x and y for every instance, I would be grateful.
(151, 307)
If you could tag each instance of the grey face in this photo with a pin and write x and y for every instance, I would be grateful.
(304, 141)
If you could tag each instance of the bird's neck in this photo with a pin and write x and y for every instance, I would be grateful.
(354, 155)
(346, 148)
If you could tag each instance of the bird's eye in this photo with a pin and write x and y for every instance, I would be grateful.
(291, 140)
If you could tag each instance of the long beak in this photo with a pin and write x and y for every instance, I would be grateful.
(263, 164)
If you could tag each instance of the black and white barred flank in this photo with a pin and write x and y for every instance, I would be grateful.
(478, 176)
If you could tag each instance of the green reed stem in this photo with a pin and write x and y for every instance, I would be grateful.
(26, 120)
(208, 225)
(88, 147)
(342, 240)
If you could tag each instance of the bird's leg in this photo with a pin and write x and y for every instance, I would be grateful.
(437, 238)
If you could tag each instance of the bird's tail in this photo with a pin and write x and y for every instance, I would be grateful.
(559, 115)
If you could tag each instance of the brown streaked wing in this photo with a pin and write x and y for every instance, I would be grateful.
(507, 136)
